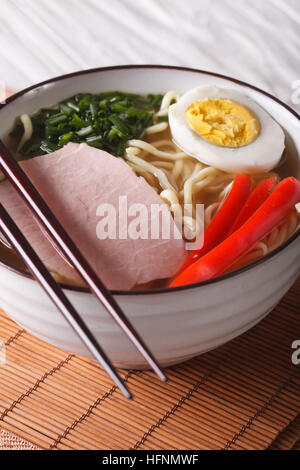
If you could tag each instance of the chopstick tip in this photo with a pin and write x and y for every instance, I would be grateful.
(127, 394)
(163, 377)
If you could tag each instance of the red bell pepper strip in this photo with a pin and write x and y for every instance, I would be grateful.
(254, 201)
(224, 218)
(276, 207)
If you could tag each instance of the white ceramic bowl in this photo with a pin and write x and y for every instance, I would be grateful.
(176, 323)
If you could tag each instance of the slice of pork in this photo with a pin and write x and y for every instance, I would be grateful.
(76, 181)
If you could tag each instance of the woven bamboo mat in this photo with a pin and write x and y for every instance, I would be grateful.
(244, 395)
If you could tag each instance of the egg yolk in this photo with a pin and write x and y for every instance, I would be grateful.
(223, 122)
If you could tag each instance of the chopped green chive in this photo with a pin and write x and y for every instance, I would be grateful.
(105, 120)
(163, 118)
(85, 131)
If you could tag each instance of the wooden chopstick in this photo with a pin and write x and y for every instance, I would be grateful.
(13, 234)
(40, 209)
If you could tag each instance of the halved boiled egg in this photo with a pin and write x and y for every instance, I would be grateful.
(225, 129)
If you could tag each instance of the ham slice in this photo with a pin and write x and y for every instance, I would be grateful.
(75, 181)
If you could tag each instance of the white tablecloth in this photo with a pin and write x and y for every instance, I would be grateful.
(255, 40)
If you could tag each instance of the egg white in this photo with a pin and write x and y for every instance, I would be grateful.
(261, 155)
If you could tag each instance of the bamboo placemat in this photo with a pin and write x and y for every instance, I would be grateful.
(244, 395)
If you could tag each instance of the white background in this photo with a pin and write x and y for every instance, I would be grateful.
(255, 40)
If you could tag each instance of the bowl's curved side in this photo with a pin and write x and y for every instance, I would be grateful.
(176, 325)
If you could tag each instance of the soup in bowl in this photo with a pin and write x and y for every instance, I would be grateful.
(105, 143)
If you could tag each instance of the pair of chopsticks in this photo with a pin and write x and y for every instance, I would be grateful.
(44, 215)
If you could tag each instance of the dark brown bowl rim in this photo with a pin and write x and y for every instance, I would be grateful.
(163, 67)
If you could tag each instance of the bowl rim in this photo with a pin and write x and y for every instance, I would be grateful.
(166, 290)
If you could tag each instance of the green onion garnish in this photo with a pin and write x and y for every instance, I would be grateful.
(106, 120)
